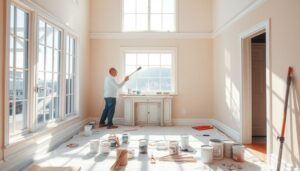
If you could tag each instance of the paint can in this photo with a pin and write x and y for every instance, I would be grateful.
(162, 145)
(217, 148)
(184, 142)
(94, 146)
(113, 141)
(93, 124)
(125, 138)
(130, 153)
(228, 148)
(206, 153)
(143, 146)
(87, 130)
(238, 151)
(173, 147)
(105, 147)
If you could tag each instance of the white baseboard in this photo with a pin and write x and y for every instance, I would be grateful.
(284, 165)
(191, 122)
(227, 130)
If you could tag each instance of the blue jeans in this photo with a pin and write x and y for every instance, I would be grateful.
(109, 111)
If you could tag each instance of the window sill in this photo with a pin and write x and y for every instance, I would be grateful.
(146, 95)
(17, 139)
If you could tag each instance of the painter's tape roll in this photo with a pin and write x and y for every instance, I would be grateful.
(238, 151)
(217, 148)
(228, 148)
(206, 153)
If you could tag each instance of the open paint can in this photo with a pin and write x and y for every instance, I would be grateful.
(125, 138)
(206, 153)
(94, 146)
(228, 148)
(105, 147)
(143, 146)
(217, 148)
(184, 142)
(238, 151)
(173, 147)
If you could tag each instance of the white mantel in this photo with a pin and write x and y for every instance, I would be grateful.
(163, 110)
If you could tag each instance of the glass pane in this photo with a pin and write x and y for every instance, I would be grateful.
(166, 84)
(11, 52)
(11, 117)
(68, 64)
(143, 72)
(21, 84)
(129, 22)
(142, 59)
(21, 115)
(50, 36)
(71, 65)
(156, 22)
(21, 53)
(168, 22)
(142, 22)
(49, 59)
(130, 69)
(168, 6)
(68, 84)
(40, 110)
(154, 59)
(156, 6)
(48, 109)
(72, 104)
(56, 61)
(142, 6)
(153, 71)
(67, 105)
(56, 85)
(11, 84)
(22, 24)
(41, 58)
(56, 107)
(154, 84)
(12, 19)
(142, 84)
(130, 59)
(166, 59)
(131, 84)
(42, 32)
(72, 48)
(71, 84)
(57, 39)
(165, 71)
(67, 44)
(129, 6)
(41, 84)
(49, 85)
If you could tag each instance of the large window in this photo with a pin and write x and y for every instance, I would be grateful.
(149, 15)
(158, 71)
(70, 75)
(18, 70)
(48, 72)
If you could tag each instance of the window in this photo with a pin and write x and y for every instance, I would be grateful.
(157, 73)
(149, 15)
(18, 70)
(48, 72)
(70, 75)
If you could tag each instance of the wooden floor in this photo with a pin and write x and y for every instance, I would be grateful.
(259, 149)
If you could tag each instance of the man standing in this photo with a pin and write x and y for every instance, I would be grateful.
(110, 94)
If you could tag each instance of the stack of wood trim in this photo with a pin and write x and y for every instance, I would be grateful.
(178, 158)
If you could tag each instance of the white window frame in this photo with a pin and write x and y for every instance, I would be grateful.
(172, 50)
(35, 11)
(149, 21)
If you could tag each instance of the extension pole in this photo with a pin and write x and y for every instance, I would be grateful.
(281, 137)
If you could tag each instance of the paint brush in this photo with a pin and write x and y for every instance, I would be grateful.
(139, 68)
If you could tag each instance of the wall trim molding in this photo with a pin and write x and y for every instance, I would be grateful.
(120, 35)
(235, 135)
(191, 122)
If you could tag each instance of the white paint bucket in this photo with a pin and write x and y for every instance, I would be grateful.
(217, 148)
(105, 147)
(143, 146)
(94, 146)
(184, 142)
(206, 153)
(228, 148)
(238, 151)
(87, 130)
(130, 153)
(173, 147)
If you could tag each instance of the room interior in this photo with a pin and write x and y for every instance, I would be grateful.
(204, 62)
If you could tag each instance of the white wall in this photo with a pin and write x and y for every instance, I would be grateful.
(284, 44)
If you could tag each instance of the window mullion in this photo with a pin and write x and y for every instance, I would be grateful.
(14, 72)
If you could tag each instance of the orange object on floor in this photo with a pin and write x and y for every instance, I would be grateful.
(259, 150)
(203, 127)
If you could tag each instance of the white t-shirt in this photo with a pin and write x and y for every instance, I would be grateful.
(111, 86)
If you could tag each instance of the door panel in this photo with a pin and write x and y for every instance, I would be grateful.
(154, 113)
(142, 113)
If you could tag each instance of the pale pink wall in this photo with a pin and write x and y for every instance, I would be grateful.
(193, 15)
(77, 16)
(194, 99)
(223, 11)
(285, 36)
(2, 61)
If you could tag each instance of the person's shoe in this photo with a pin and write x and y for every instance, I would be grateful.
(112, 127)
(102, 125)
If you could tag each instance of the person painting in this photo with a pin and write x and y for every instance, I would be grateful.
(110, 94)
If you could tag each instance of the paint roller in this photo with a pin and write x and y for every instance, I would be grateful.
(139, 68)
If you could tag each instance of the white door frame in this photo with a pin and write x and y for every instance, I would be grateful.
(246, 103)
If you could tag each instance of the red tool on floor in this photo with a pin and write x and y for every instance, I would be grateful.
(281, 137)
